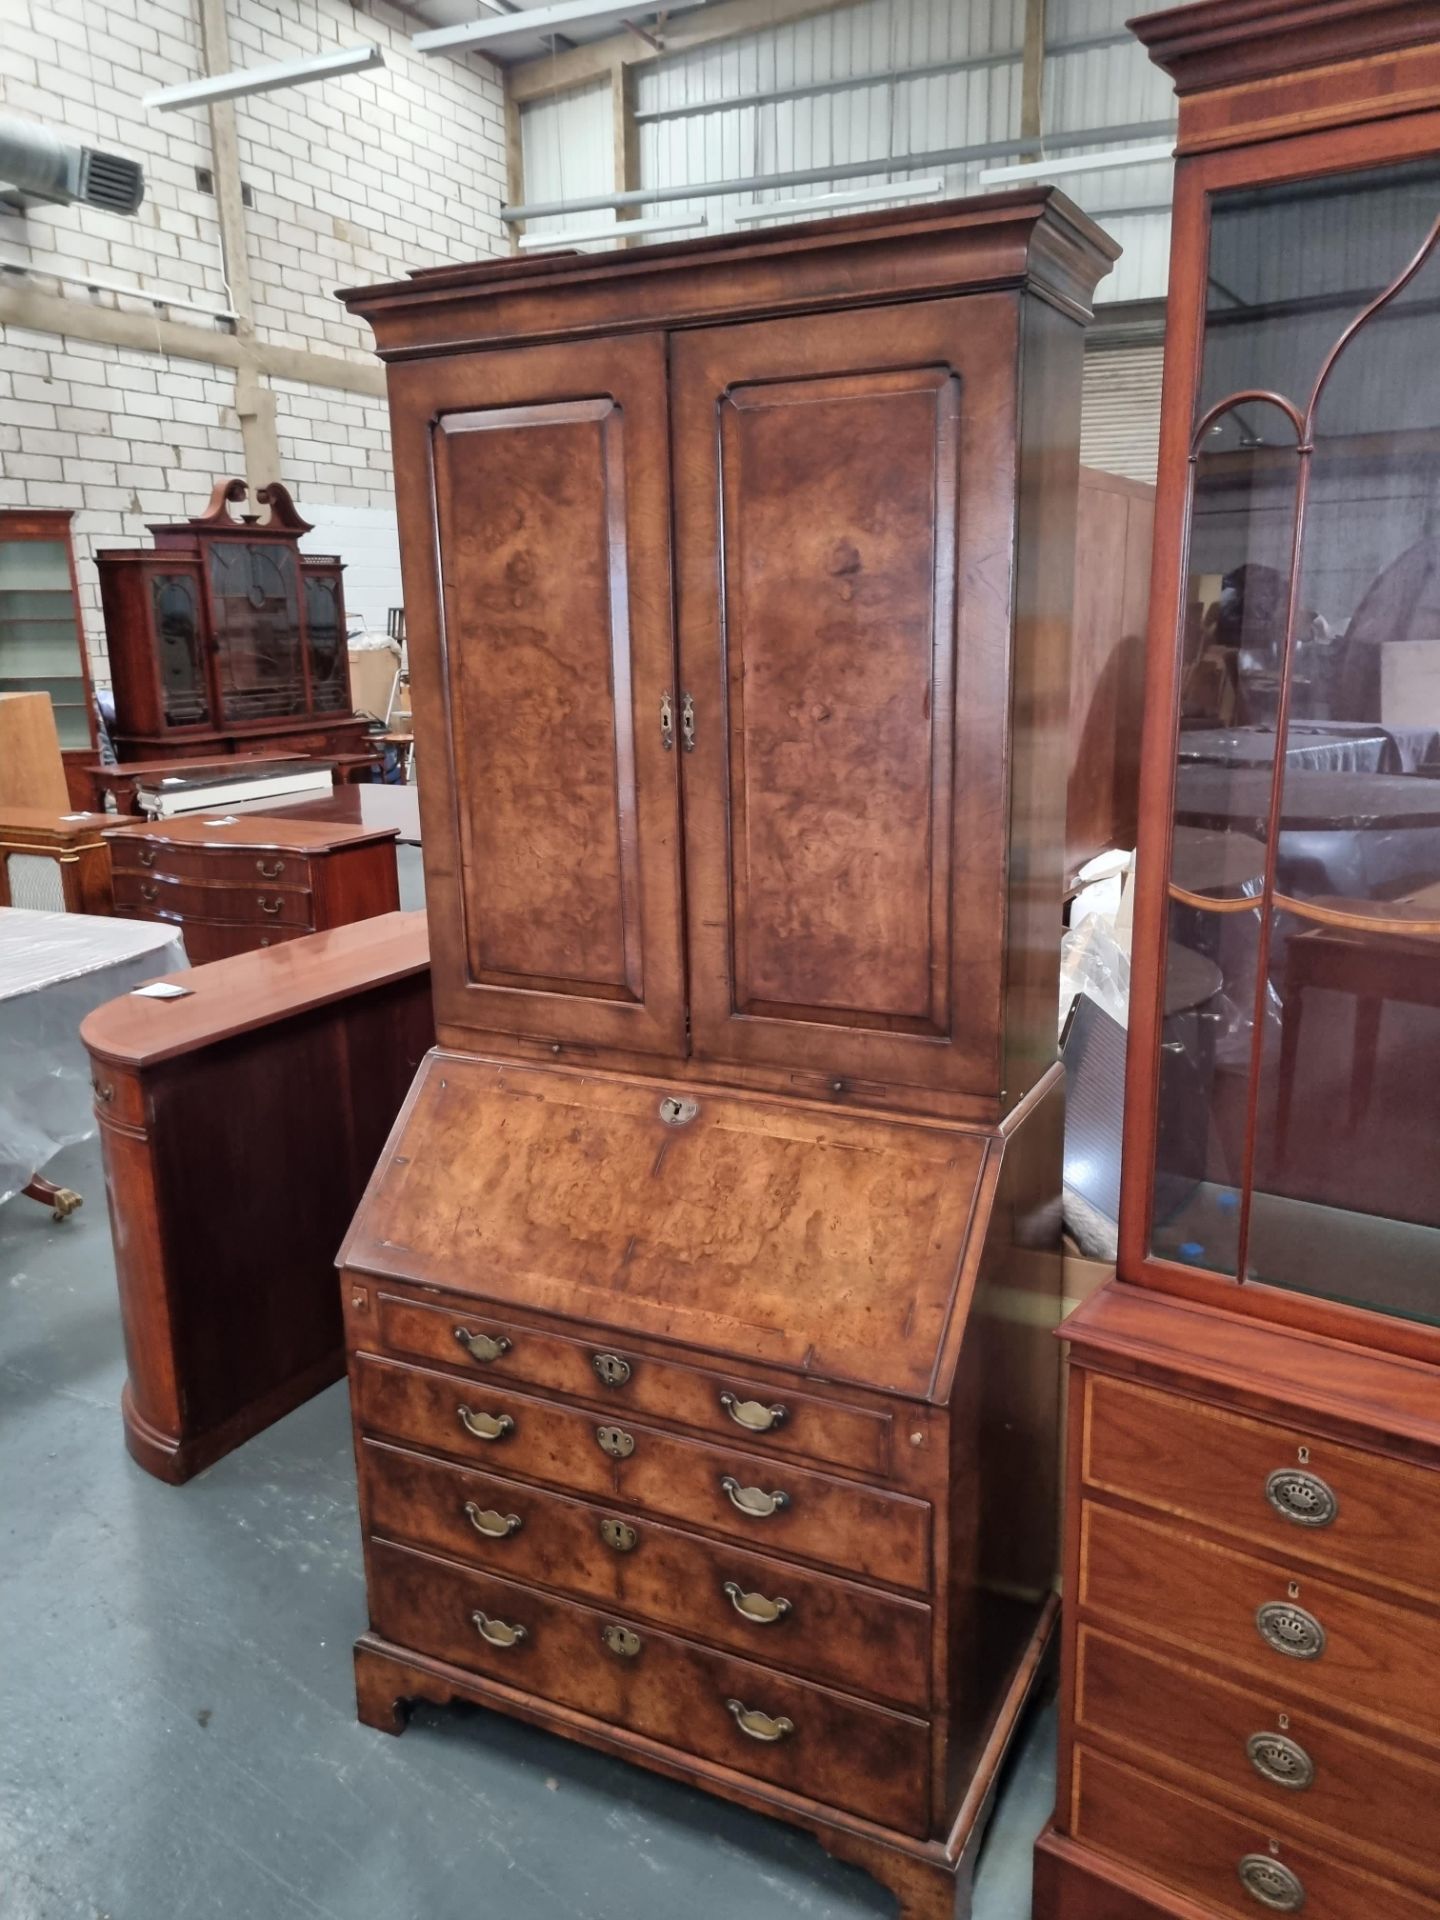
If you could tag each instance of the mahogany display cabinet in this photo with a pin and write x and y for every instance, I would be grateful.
(1251, 1670)
(699, 1309)
(224, 638)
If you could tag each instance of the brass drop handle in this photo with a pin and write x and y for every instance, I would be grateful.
(486, 1426)
(753, 1500)
(269, 873)
(753, 1415)
(755, 1607)
(148, 892)
(759, 1725)
(494, 1526)
(481, 1347)
(104, 1092)
(146, 856)
(499, 1633)
(269, 906)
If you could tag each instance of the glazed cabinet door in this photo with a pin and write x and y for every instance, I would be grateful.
(844, 510)
(535, 518)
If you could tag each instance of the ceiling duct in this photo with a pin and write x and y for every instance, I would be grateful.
(40, 165)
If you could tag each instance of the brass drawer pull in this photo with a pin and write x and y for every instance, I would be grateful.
(104, 1092)
(481, 1347)
(499, 1633)
(622, 1641)
(616, 1442)
(752, 1415)
(1302, 1497)
(147, 856)
(269, 873)
(268, 906)
(486, 1426)
(616, 1534)
(755, 1607)
(1290, 1630)
(753, 1500)
(1281, 1761)
(1272, 1884)
(759, 1725)
(147, 892)
(494, 1526)
(611, 1368)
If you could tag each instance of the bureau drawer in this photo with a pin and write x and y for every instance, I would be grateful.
(835, 1750)
(256, 905)
(1384, 1801)
(1378, 1660)
(728, 1405)
(237, 866)
(1201, 1850)
(829, 1629)
(1336, 1505)
(884, 1535)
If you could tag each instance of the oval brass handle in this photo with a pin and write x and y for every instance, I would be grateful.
(1302, 1497)
(494, 1526)
(1271, 1883)
(616, 1442)
(753, 1500)
(499, 1633)
(480, 1346)
(759, 1725)
(752, 1414)
(269, 873)
(267, 906)
(755, 1607)
(611, 1368)
(1281, 1761)
(486, 1426)
(1290, 1630)
(148, 892)
(147, 856)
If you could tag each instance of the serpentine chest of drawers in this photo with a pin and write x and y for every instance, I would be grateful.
(705, 1403)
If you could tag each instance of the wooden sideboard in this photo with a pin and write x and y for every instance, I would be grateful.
(705, 1399)
(239, 1126)
(244, 881)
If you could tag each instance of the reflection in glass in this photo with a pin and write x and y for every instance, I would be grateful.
(327, 661)
(175, 607)
(255, 591)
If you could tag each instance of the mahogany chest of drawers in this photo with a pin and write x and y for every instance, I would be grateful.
(240, 882)
(1252, 1624)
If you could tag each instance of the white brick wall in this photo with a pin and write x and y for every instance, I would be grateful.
(353, 180)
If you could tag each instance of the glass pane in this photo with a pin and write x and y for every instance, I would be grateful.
(1242, 522)
(327, 660)
(1347, 1172)
(255, 588)
(174, 599)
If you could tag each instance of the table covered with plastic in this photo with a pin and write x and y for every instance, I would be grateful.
(54, 969)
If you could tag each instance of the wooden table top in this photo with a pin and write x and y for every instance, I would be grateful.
(230, 828)
(369, 804)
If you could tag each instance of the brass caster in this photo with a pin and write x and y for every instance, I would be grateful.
(66, 1202)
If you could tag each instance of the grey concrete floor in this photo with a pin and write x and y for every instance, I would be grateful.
(177, 1730)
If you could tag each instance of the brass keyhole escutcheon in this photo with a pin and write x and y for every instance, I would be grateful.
(622, 1641)
(618, 1535)
(611, 1368)
(616, 1442)
(677, 1112)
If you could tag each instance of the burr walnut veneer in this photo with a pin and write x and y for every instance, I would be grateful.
(1251, 1667)
(698, 1307)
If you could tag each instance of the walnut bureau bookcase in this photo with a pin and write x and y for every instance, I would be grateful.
(1251, 1662)
(698, 1307)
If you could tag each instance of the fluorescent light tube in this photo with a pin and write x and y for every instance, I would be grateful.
(860, 197)
(286, 73)
(1077, 163)
(617, 230)
(556, 17)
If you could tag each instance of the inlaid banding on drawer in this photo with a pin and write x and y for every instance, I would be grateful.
(1305, 1497)
(1199, 1849)
(865, 1759)
(825, 1628)
(1379, 1660)
(776, 1418)
(884, 1536)
(1365, 1798)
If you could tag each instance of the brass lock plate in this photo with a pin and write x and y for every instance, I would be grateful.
(616, 1442)
(622, 1641)
(613, 1371)
(618, 1535)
